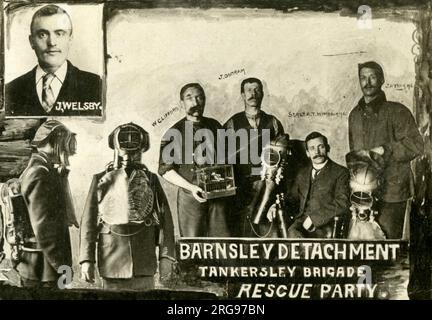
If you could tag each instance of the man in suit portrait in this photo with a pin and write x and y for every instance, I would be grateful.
(55, 87)
(321, 192)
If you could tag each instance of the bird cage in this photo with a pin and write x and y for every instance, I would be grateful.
(217, 181)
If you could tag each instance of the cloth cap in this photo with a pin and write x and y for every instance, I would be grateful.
(45, 131)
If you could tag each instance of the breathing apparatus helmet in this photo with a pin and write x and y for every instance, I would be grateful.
(128, 141)
(274, 156)
(61, 139)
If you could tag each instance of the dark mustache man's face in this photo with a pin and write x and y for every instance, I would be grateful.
(252, 95)
(193, 111)
(316, 150)
(370, 82)
(194, 102)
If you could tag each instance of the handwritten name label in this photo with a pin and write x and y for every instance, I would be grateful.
(399, 86)
(224, 76)
(165, 116)
(311, 114)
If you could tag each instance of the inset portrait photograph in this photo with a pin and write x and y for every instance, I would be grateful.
(54, 63)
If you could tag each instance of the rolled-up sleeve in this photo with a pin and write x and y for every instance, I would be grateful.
(171, 149)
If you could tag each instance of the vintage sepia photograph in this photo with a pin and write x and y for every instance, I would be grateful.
(243, 150)
(54, 60)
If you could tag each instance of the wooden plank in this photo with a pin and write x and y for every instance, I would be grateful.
(18, 129)
(15, 148)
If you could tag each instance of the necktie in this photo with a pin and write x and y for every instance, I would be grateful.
(315, 174)
(48, 98)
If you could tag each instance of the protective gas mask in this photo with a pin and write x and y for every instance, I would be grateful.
(129, 141)
(361, 205)
(61, 139)
(274, 158)
(363, 184)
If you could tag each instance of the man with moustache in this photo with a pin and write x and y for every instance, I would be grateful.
(388, 129)
(248, 174)
(320, 190)
(197, 216)
(55, 81)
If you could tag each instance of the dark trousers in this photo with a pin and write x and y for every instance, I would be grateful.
(29, 283)
(197, 219)
(243, 208)
(240, 210)
(297, 231)
(391, 217)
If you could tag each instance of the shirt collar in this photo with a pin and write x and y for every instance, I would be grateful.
(375, 103)
(253, 116)
(200, 124)
(42, 156)
(60, 74)
(319, 167)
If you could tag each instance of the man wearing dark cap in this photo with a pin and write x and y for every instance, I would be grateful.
(197, 216)
(45, 188)
(388, 129)
(255, 122)
(54, 86)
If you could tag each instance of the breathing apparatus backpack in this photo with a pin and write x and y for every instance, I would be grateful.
(15, 224)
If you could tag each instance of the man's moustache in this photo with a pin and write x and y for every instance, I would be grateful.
(195, 109)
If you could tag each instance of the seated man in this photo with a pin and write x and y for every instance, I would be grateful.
(321, 191)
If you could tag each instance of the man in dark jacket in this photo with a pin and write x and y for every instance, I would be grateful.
(54, 86)
(126, 217)
(46, 192)
(389, 129)
(258, 125)
(320, 190)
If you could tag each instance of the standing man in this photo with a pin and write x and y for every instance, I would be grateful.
(125, 218)
(45, 189)
(321, 192)
(389, 129)
(197, 216)
(54, 82)
(248, 174)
